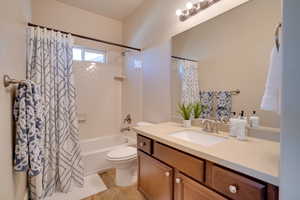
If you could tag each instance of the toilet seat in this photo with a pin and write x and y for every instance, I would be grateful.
(124, 153)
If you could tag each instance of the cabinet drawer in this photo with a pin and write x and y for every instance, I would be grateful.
(236, 186)
(144, 144)
(185, 163)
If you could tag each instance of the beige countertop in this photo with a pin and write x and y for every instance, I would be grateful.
(254, 157)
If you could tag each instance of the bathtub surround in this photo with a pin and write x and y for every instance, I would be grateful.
(53, 72)
(101, 108)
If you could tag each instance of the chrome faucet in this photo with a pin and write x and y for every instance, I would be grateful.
(210, 126)
(127, 121)
(125, 129)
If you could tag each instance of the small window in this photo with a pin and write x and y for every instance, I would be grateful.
(89, 55)
(77, 54)
(94, 56)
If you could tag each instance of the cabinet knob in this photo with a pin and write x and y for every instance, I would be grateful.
(233, 189)
(178, 180)
(142, 144)
(167, 174)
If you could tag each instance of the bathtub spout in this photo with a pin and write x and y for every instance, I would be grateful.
(125, 129)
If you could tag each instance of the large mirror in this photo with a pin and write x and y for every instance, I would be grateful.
(228, 53)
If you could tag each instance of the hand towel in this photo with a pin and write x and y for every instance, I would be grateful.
(206, 99)
(28, 156)
(223, 105)
(271, 100)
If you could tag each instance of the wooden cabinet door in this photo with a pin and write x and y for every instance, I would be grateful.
(155, 179)
(188, 189)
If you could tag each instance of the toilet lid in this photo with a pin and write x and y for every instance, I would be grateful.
(122, 153)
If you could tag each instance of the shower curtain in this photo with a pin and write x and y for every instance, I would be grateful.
(190, 84)
(49, 64)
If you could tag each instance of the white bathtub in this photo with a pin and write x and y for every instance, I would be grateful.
(94, 151)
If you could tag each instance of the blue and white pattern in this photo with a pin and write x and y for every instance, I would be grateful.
(224, 104)
(49, 64)
(29, 129)
(207, 101)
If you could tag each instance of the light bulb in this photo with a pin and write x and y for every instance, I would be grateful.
(189, 5)
(178, 12)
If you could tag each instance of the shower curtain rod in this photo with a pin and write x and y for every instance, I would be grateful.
(186, 59)
(86, 37)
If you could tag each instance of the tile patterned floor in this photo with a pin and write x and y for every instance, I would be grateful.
(114, 192)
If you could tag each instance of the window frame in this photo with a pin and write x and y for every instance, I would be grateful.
(84, 49)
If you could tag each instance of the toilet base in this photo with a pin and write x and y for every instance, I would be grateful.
(126, 177)
(126, 172)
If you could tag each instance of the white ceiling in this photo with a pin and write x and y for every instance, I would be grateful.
(116, 9)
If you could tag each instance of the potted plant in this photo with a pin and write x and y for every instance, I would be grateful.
(197, 110)
(186, 112)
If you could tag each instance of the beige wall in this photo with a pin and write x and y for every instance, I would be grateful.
(155, 21)
(151, 27)
(61, 16)
(99, 95)
(13, 17)
(233, 52)
(156, 83)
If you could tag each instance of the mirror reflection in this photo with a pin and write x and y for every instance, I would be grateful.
(225, 65)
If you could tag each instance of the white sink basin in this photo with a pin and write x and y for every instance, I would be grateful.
(198, 137)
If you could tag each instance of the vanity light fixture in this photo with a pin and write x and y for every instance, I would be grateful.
(194, 8)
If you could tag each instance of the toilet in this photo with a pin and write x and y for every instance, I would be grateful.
(124, 159)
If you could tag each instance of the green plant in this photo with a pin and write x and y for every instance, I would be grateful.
(197, 108)
(185, 111)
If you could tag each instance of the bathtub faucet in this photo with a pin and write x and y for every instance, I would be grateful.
(127, 119)
(125, 129)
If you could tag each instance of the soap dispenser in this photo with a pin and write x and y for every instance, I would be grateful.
(241, 126)
(254, 120)
(233, 125)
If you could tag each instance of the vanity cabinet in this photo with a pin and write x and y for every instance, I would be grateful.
(187, 189)
(165, 173)
(155, 180)
(183, 162)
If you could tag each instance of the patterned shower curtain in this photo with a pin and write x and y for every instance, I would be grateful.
(49, 64)
(190, 84)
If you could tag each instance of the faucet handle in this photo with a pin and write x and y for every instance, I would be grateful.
(128, 119)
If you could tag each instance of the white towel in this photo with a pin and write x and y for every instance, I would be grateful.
(271, 100)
